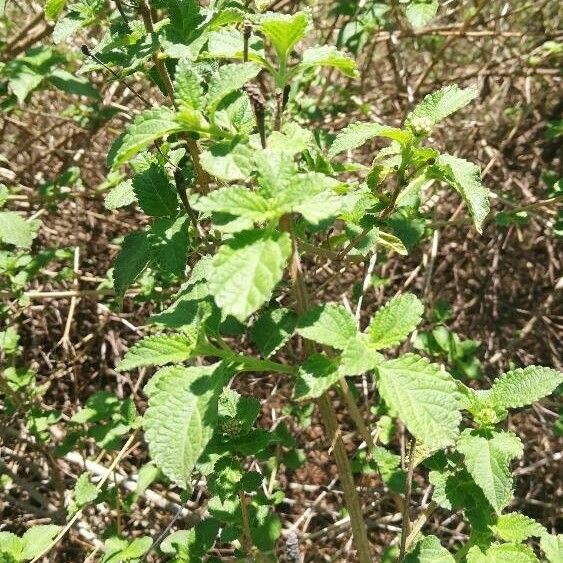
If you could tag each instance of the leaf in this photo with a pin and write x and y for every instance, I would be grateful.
(22, 79)
(502, 553)
(358, 356)
(246, 269)
(169, 240)
(235, 200)
(53, 8)
(84, 491)
(229, 78)
(14, 229)
(228, 161)
(429, 550)
(148, 126)
(187, 86)
(11, 545)
(437, 106)
(487, 459)
(515, 527)
(131, 261)
(523, 386)
(284, 30)
(120, 196)
(37, 539)
(155, 193)
(71, 84)
(328, 55)
(421, 12)
(317, 374)
(272, 330)
(181, 417)
(66, 26)
(356, 134)
(465, 178)
(328, 324)
(423, 396)
(552, 546)
(395, 321)
(158, 351)
(185, 17)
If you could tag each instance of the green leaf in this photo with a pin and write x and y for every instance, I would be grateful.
(181, 417)
(523, 386)
(229, 78)
(117, 550)
(465, 178)
(37, 539)
(157, 351)
(437, 106)
(187, 86)
(273, 329)
(148, 126)
(552, 546)
(53, 8)
(11, 545)
(328, 324)
(488, 461)
(169, 240)
(358, 356)
(502, 553)
(515, 527)
(4, 193)
(395, 321)
(429, 550)
(421, 12)
(120, 196)
(228, 161)
(131, 261)
(155, 193)
(84, 491)
(284, 30)
(22, 79)
(71, 84)
(246, 269)
(235, 200)
(356, 134)
(328, 55)
(14, 229)
(424, 397)
(317, 374)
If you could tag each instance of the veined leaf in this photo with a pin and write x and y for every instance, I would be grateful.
(187, 86)
(246, 269)
(329, 324)
(228, 161)
(521, 387)
(157, 351)
(155, 193)
(502, 553)
(120, 196)
(356, 134)
(424, 397)
(429, 550)
(14, 229)
(131, 261)
(273, 329)
(169, 240)
(358, 356)
(53, 8)
(235, 200)
(317, 374)
(465, 178)
(488, 461)
(181, 417)
(552, 546)
(515, 527)
(148, 126)
(229, 78)
(284, 30)
(328, 55)
(395, 321)
(37, 539)
(421, 12)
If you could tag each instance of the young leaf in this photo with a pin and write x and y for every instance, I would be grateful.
(465, 178)
(37, 539)
(317, 374)
(246, 269)
(421, 12)
(356, 134)
(168, 239)
(552, 546)
(11, 546)
(155, 193)
(157, 351)
(228, 161)
(131, 261)
(429, 550)
(14, 229)
(488, 461)
(437, 106)
(120, 196)
(284, 30)
(523, 386)
(53, 8)
(328, 324)
(229, 78)
(272, 330)
(328, 55)
(84, 491)
(515, 527)
(423, 396)
(502, 553)
(188, 91)
(395, 321)
(358, 356)
(181, 417)
(235, 200)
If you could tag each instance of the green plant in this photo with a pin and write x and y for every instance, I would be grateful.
(245, 199)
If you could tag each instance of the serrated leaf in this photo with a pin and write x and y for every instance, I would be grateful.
(14, 229)
(169, 240)
(84, 491)
(552, 546)
(424, 397)
(181, 417)
(429, 550)
(53, 8)
(158, 351)
(37, 539)
(131, 261)
(328, 324)
(228, 161)
(317, 374)
(421, 12)
(465, 178)
(148, 126)
(187, 86)
(12, 545)
(395, 321)
(120, 196)
(488, 461)
(155, 193)
(235, 200)
(273, 329)
(284, 30)
(437, 106)
(328, 55)
(502, 553)
(246, 269)
(229, 78)
(358, 357)
(515, 527)
(523, 386)
(356, 134)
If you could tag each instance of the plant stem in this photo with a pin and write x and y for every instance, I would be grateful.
(246, 533)
(406, 512)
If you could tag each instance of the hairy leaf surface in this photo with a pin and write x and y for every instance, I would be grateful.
(317, 374)
(329, 324)
(131, 261)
